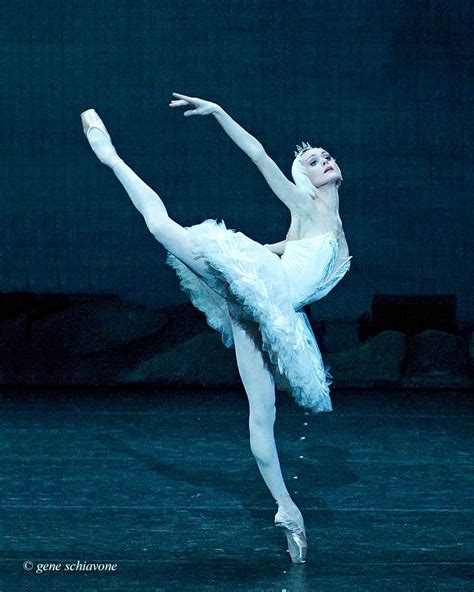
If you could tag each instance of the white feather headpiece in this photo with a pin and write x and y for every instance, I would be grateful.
(298, 171)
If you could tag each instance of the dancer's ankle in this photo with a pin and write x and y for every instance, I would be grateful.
(285, 501)
(103, 147)
(115, 160)
(288, 504)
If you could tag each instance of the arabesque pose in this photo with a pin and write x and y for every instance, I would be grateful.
(253, 294)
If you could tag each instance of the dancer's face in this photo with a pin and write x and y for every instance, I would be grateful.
(321, 167)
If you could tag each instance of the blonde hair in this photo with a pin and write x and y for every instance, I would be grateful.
(300, 177)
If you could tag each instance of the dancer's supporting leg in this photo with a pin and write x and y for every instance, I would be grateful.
(260, 388)
(169, 233)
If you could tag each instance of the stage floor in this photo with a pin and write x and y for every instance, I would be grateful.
(162, 484)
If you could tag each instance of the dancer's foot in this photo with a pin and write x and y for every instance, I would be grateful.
(291, 520)
(98, 138)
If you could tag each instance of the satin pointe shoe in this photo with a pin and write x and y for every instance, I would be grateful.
(295, 535)
(103, 147)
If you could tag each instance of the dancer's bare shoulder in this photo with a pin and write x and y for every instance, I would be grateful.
(318, 221)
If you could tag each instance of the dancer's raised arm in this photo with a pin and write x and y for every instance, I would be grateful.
(291, 195)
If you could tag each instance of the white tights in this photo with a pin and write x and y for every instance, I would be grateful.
(256, 378)
(260, 388)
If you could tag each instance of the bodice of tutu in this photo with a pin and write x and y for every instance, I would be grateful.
(309, 267)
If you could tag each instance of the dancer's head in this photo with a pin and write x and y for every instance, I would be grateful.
(313, 168)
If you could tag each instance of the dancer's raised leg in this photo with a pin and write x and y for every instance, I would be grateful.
(169, 233)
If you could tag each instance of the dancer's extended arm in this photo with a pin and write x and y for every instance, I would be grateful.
(291, 195)
(245, 141)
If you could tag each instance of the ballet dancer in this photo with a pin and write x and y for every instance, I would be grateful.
(253, 294)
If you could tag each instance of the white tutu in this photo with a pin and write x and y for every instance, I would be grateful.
(266, 293)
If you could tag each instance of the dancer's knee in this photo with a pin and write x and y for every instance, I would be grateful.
(262, 442)
(262, 418)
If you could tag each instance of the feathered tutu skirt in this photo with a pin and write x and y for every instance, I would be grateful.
(265, 293)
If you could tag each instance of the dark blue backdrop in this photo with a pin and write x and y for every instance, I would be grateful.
(385, 86)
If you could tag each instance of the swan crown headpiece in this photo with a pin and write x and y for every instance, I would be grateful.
(301, 149)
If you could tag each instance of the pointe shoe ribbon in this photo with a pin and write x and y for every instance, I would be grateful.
(283, 517)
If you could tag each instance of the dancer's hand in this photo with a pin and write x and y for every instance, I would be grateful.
(202, 107)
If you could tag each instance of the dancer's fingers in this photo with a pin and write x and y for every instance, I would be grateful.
(186, 100)
(182, 97)
(178, 103)
(191, 112)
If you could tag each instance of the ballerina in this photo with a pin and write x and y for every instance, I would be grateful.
(253, 294)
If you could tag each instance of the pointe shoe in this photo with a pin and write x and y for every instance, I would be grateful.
(295, 535)
(106, 153)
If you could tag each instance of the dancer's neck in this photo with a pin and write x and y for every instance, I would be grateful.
(328, 195)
